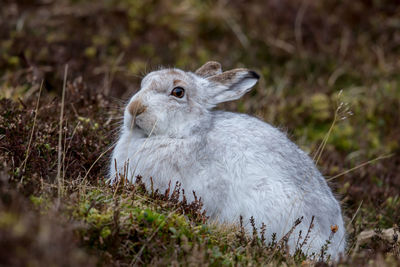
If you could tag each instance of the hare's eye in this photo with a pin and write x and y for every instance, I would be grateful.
(178, 92)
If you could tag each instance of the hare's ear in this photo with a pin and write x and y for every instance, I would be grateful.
(209, 69)
(231, 85)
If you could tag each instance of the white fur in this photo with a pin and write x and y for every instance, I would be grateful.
(237, 164)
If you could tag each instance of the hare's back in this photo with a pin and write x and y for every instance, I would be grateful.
(263, 150)
(241, 132)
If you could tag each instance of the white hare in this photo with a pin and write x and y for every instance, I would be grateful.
(238, 164)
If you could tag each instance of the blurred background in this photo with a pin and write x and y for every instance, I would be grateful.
(306, 52)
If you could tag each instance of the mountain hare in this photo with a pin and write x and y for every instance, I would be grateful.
(238, 164)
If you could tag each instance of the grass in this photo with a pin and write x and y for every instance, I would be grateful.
(306, 53)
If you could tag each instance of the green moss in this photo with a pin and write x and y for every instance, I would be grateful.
(105, 232)
(90, 52)
(7, 219)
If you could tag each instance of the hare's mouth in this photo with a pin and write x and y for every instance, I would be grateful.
(134, 125)
(137, 130)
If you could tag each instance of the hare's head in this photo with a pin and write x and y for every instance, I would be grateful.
(176, 103)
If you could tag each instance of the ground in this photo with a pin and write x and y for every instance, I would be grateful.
(329, 78)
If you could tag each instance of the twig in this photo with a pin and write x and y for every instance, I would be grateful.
(325, 140)
(109, 77)
(126, 166)
(352, 219)
(244, 41)
(341, 113)
(69, 145)
(31, 136)
(22, 102)
(285, 238)
(307, 236)
(298, 24)
(361, 165)
(101, 155)
(60, 183)
(63, 168)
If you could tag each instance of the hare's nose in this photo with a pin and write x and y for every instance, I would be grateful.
(136, 107)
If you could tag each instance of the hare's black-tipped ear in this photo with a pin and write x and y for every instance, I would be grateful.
(231, 85)
(209, 69)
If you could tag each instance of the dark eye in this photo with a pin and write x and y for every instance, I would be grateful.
(178, 92)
